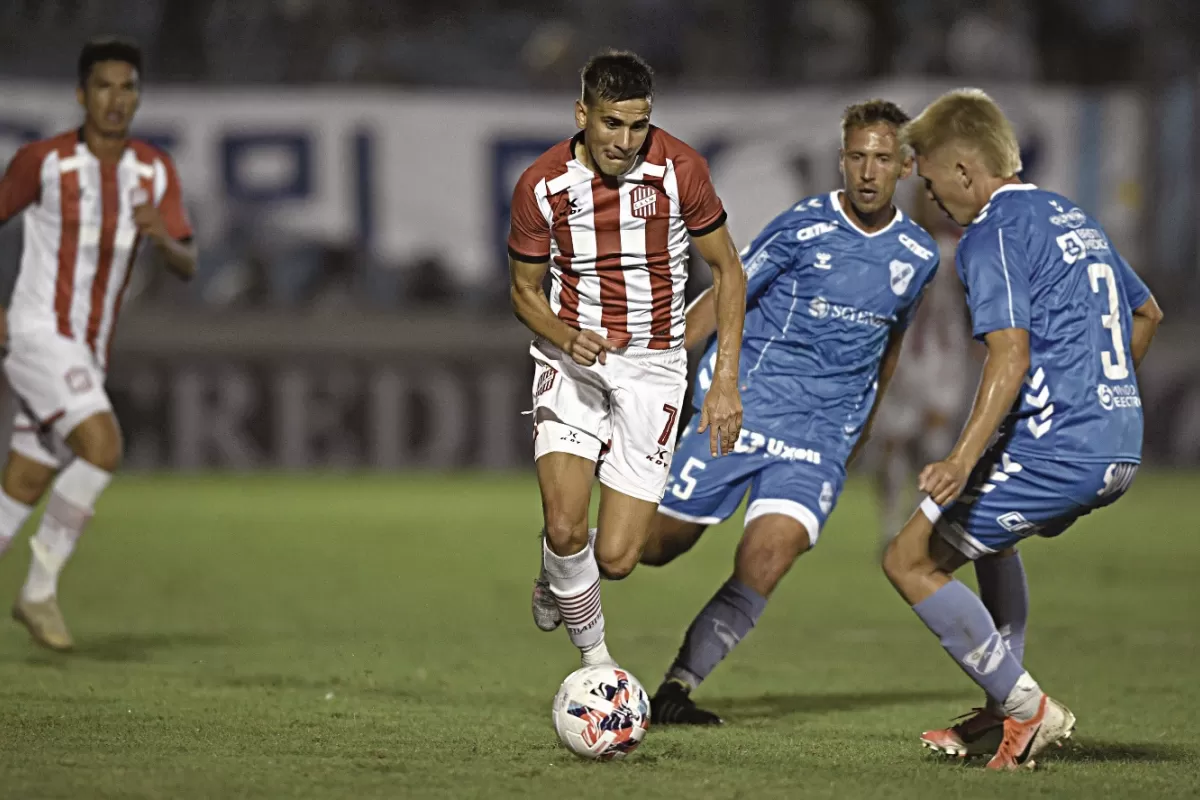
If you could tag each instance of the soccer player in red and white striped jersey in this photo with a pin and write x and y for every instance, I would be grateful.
(90, 198)
(611, 213)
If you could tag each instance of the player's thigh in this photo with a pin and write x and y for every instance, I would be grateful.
(97, 440)
(570, 406)
(799, 485)
(56, 381)
(646, 392)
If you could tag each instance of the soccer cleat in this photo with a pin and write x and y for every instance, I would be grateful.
(1053, 724)
(44, 622)
(545, 610)
(978, 734)
(672, 704)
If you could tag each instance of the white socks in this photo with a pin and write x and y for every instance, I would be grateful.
(575, 584)
(13, 515)
(72, 499)
(1023, 701)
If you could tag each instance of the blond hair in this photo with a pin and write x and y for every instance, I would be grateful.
(969, 118)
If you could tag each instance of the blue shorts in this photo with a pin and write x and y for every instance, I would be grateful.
(795, 481)
(1007, 500)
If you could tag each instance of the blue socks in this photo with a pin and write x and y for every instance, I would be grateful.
(717, 629)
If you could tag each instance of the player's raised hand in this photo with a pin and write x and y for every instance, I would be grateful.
(721, 415)
(944, 480)
(150, 222)
(588, 347)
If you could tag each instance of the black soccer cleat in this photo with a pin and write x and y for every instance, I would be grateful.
(672, 704)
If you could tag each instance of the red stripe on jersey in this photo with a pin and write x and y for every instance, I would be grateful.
(568, 295)
(658, 258)
(606, 215)
(68, 242)
(110, 204)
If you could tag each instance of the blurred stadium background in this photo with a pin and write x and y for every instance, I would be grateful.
(348, 167)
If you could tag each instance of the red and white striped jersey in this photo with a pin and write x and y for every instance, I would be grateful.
(80, 237)
(618, 248)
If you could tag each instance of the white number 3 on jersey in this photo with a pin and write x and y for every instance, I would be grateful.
(1115, 365)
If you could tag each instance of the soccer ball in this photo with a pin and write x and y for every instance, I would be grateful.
(601, 713)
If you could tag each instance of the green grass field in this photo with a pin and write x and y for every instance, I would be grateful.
(370, 637)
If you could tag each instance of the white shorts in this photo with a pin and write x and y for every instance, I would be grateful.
(623, 413)
(57, 384)
(922, 388)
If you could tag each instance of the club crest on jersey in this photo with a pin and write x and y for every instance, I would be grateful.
(643, 201)
(902, 275)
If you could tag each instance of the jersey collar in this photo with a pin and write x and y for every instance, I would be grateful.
(1008, 187)
(837, 206)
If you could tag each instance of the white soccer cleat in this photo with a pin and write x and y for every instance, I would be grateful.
(1053, 725)
(545, 610)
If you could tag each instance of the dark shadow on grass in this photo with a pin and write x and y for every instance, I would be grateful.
(771, 706)
(1093, 751)
(123, 647)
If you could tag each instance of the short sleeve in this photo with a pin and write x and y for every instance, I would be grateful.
(1136, 290)
(529, 230)
(766, 258)
(171, 207)
(995, 272)
(909, 312)
(702, 210)
(22, 181)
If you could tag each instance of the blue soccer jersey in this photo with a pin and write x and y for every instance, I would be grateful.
(1033, 260)
(822, 300)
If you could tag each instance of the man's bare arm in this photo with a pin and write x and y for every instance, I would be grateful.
(722, 407)
(1003, 372)
(701, 319)
(530, 305)
(1146, 319)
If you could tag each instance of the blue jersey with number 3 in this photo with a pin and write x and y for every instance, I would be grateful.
(822, 299)
(1033, 260)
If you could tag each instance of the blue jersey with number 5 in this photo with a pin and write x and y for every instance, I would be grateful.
(1033, 260)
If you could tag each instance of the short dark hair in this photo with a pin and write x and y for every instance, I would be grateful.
(616, 75)
(860, 115)
(108, 48)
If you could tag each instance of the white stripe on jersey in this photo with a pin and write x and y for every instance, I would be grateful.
(638, 296)
(583, 262)
(1004, 263)
(677, 245)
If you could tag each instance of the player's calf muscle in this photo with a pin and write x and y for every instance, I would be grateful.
(97, 440)
(767, 551)
(669, 538)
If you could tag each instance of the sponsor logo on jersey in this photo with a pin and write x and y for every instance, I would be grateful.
(643, 200)
(1071, 219)
(823, 260)
(1123, 396)
(821, 308)
(813, 231)
(902, 275)
(752, 441)
(920, 252)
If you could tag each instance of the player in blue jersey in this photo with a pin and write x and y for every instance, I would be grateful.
(1056, 428)
(831, 286)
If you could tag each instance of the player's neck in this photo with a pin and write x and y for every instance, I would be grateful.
(868, 223)
(104, 146)
(987, 187)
